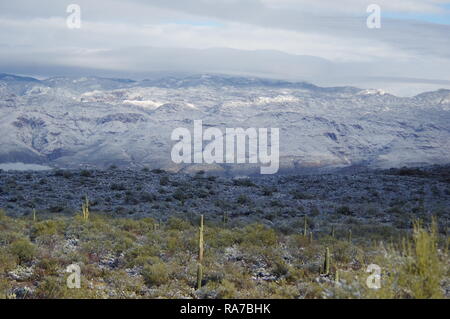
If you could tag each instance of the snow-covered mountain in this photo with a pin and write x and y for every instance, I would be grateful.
(68, 122)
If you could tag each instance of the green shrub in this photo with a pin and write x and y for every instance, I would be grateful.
(260, 235)
(177, 224)
(423, 270)
(23, 250)
(46, 228)
(141, 255)
(221, 238)
(48, 266)
(4, 288)
(50, 288)
(7, 260)
(227, 290)
(155, 275)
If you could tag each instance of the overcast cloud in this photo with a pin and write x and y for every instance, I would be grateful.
(325, 42)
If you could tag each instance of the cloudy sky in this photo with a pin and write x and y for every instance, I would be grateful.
(326, 42)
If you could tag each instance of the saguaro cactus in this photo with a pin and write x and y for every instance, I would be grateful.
(34, 214)
(349, 235)
(326, 264)
(85, 209)
(332, 231)
(200, 255)
(305, 227)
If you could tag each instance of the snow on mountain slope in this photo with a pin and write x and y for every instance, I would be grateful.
(69, 122)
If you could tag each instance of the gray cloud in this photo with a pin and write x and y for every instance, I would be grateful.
(325, 42)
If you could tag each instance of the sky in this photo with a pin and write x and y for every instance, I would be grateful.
(325, 42)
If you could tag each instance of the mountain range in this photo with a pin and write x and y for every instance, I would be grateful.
(72, 122)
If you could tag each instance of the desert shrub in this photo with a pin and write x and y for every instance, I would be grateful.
(422, 272)
(118, 187)
(50, 288)
(155, 275)
(7, 260)
(276, 203)
(122, 244)
(7, 237)
(148, 223)
(148, 197)
(222, 204)
(344, 210)
(125, 286)
(4, 288)
(226, 290)
(242, 200)
(298, 240)
(141, 255)
(258, 234)
(243, 182)
(405, 171)
(130, 225)
(300, 195)
(164, 181)
(46, 228)
(282, 290)
(177, 224)
(280, 267)
(268, 191)
(181, 195)
(220, 238)
(23, 250)
(48, 267)
(96, 245)
(176, 241)
(86, 173)
(343, 252)
(63, 173)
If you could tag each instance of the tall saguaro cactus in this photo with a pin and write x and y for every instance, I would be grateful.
(326, 264)
(85, 209)
(200, 255)
(305, 226)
